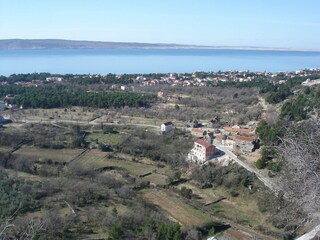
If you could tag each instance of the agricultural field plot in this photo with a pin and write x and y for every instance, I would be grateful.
(242, 209)
(206, 195)
(140, 120)
(55, 114)
(41, 154)
(156, 178)
(245, 215)
(97, 159)
(181, 212)
(232, 234)
(106, 138)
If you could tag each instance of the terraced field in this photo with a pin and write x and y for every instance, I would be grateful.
(98, 159)
(181, 212)
(41, 154)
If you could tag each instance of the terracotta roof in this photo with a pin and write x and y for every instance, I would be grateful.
(243, 130)
(243, 138)
(197, 130)
(203, 143)
(219, 136)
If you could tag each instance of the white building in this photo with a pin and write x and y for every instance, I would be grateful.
(166, 127)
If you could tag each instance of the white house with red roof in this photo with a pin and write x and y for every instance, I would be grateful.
(201, 152)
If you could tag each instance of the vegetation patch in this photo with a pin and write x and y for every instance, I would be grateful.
(184, 214)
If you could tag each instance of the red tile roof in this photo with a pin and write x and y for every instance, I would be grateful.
(243, 138)
(197, 130)
(243, 130)
(203, 143)
(219, 136)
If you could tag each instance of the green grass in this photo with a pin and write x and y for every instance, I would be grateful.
(233, 213)
(156, 178)
(98, 159)
(218, 208)
(106, 138)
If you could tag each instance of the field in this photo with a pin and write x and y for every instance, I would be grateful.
(40, 154)
(205, 195)
(181, 212)
(242, 210)
(106, 138)
(98, 159)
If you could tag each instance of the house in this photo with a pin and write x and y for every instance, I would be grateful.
(201, 152)
(224, 140)
(246, 144)
(240, 130)
(209, 137)
(198, 132)
(166, 127)
(57, 79)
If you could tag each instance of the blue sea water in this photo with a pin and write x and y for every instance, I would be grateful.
(103, 61)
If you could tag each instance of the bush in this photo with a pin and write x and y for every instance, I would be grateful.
(186, 192)
(261, 163)
(116, 232)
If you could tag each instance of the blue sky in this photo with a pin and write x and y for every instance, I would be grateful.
(269, 23)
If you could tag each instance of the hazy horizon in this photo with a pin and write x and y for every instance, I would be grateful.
(268, 24)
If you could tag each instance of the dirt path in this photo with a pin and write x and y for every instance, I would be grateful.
(263, 103)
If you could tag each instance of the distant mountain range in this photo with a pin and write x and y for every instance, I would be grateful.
(20, 44)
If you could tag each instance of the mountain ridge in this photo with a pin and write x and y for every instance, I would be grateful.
(28, 44)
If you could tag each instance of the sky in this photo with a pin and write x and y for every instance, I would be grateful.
(263, 23)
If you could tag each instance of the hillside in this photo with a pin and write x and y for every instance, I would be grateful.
(24, 44)
(15, 44)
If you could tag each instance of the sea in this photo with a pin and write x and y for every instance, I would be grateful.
(142, 61)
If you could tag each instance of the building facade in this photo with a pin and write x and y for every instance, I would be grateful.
(201, 152)
(166, 127)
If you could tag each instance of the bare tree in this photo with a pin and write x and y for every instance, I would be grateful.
(300, 179)
(25, 229)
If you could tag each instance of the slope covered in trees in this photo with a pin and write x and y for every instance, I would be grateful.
(55, 97)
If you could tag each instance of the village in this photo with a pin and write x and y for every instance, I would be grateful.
(192, 151)
(236, 138)
(199, 79)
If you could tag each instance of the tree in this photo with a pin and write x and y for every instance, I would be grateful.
(186, 192)
(300, 176)
(116, 232)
